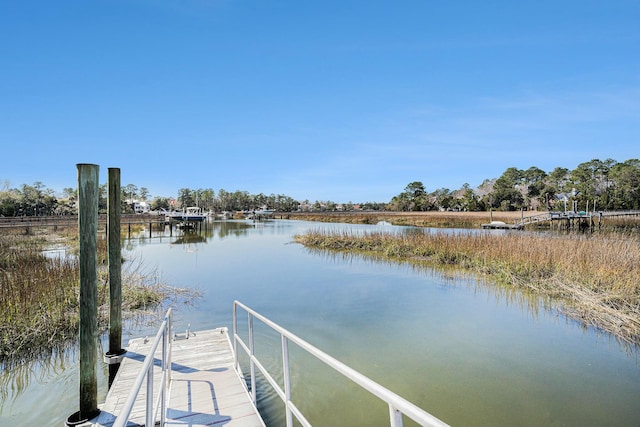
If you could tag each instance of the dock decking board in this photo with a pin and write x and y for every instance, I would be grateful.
(205, 388)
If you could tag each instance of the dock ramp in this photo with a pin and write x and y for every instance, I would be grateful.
(195, 379)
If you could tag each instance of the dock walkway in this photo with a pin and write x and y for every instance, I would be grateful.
(570, 219)
(205, 388)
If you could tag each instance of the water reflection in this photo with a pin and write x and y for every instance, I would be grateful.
(449, 276)
(43, 391)
(17, 375)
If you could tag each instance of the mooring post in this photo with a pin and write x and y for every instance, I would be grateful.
(87, 236)
(113, 357)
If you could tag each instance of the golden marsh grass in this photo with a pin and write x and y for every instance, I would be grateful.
(39, 295)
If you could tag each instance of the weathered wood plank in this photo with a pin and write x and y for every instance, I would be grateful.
(205, 388)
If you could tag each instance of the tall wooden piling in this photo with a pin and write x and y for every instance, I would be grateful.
(88, 190)
(112, 357)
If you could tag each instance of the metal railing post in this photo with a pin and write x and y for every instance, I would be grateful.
(235, 339)
(163, 337)
(165, 375)
(287, 380)
(252, 366)
(170, 345)
(149, 406)
(395, 417)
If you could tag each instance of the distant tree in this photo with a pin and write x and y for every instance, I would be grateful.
(370, 206)
(37, 200)
(223, 201)
(331, 206)
(186, 198)
(242, 200)
(469, 200)
(506, 193)
(144, 193)
(260, 200)
(625, 179)
(130, 192)
(70, 193)
(416, 194)
(10, 202)
(556, 184)
(558, 178)
(205, 199)
(400, 203)
(282, 203)
(159, 203)
(591, 181)
(535, 181)
(443, 199)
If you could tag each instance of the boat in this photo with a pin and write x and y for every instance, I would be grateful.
(261, 213)
(191, 214)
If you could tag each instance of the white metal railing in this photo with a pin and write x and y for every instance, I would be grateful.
(397, 405)
(151, 410)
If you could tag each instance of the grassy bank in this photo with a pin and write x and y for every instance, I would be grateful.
(418, 219)
(594, 278)
(437, 219)
(39, 295)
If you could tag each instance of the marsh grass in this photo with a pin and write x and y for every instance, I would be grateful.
(437, 219)
(36, 294)
(419, 219)
(39, 295)
(592, 278)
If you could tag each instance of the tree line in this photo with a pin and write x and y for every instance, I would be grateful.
(38, 200)
(225, 201)
(592, 185)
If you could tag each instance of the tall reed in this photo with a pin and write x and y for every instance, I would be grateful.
(594, 278)
(39, 295)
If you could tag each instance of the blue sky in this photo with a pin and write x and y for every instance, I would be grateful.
(326, 100)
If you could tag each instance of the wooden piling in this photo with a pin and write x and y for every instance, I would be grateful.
(115, 274)
(88, 190)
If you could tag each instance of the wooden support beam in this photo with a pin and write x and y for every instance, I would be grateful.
(88, 190)
(113, 355)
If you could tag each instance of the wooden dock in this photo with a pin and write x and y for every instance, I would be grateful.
(499, 225)
(205, 388)
(567, 220)
(575, 220)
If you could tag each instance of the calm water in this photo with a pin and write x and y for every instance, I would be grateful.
(469, 353)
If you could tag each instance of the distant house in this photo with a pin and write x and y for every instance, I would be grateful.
(138, 206)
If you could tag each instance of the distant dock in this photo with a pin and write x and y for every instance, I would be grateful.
(499, 225)
(567, 220)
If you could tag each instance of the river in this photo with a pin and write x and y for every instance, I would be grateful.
(468, 352)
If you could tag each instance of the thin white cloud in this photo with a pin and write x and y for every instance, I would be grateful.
(446, 147)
